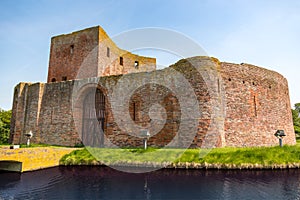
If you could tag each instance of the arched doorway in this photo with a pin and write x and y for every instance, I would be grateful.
(93, 119)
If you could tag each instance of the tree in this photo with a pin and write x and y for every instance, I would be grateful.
(296, 117)
(5, 117)
(297, 108)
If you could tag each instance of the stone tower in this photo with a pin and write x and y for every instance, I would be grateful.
(91, 53)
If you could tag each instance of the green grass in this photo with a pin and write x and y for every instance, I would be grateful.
(129, 155)
(78, 157)
(266, 156)
(238, 156)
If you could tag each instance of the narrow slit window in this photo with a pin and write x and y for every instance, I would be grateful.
(121, 60)
(72, 49)
(134, 111)
(218, 86)
(108, 52)
(255, 107)
(52, 113)
(136, 64)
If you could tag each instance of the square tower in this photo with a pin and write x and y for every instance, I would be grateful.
(91, 53)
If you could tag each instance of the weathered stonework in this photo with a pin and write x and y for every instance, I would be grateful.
(91, 53)
(238, 104)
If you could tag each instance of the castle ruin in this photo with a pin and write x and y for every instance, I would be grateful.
(243, 106)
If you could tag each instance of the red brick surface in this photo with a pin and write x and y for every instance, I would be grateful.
(235, 104)
(83, 54)
(256, 104)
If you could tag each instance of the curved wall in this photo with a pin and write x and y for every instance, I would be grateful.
(255, 104)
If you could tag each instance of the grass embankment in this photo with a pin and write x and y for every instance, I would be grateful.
(255, 157)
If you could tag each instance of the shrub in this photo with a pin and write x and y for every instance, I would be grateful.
(4, 126)
(297, 129)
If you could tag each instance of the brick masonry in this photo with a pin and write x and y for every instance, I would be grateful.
(91, 53)
(196, 102)
(256, 104)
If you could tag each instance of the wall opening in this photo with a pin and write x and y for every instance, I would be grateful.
(136, 64)
(255, 106)
(51, 118)
(229, 79)
(64, 78)
(121, 60)
(134, 111)
(71, 49)
(53, 80)
(218, 86)
(93, 119)
(107, 51)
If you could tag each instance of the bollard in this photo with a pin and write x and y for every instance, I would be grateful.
(28, 135)
(145, 135)
(145, 143)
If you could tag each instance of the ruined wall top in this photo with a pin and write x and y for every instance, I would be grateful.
(91, 53)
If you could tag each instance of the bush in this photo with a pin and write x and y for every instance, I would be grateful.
(5, 117)
(297, 129)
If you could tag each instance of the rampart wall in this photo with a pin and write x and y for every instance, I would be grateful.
(239, 105)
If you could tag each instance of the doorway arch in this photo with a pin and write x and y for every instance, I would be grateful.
(93, 117)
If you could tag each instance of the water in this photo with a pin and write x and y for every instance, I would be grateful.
(106, 183)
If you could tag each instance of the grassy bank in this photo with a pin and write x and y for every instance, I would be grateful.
(263, 157)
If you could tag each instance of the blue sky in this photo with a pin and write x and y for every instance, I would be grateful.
(264, 33)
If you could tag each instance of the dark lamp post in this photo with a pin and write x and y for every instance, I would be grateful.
(280, 134)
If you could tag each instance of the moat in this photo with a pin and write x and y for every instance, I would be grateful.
(86, 182)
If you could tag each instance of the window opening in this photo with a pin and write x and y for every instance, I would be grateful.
(72, 48)
(107, 52)
(136, 64)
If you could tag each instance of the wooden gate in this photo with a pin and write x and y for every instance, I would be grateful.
(93, 119)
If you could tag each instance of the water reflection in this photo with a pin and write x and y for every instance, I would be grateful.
(106, 183)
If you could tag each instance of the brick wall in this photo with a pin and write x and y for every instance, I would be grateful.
(258, 104)
(91, 53)
(239, 105)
